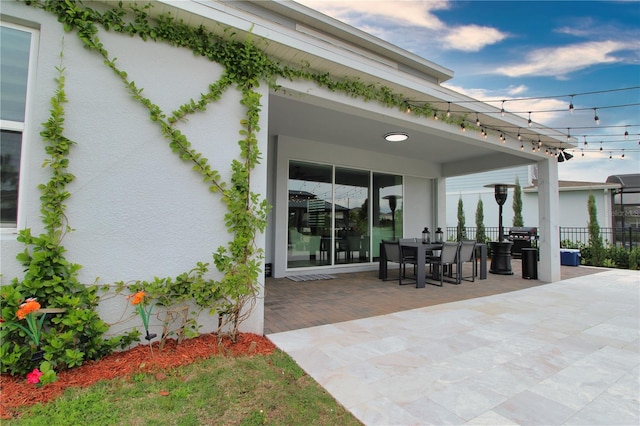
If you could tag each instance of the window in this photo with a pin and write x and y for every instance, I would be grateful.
(15, 51)
(330, 214)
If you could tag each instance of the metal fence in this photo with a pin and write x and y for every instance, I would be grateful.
(627, 238)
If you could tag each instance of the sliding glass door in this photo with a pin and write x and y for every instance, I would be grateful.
(330, 214)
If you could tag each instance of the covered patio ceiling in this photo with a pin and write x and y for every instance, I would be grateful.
(457, 152)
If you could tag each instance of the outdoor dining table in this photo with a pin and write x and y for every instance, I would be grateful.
(421, 250)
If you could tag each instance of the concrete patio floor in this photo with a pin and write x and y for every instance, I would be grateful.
(524, 353)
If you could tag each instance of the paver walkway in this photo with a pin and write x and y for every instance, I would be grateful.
(553, 354)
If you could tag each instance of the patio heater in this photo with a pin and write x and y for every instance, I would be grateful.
(393, 203)
(501, 249)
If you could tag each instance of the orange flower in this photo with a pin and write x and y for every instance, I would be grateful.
(31, 305)
(137, 298)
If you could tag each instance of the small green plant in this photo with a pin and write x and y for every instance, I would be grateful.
(481, 235)
(517, 205)
(596, 252)
(461, 232)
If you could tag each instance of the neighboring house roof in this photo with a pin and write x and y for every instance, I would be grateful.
(626, 181)
(571, 185)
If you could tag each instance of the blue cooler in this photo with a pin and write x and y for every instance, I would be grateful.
(570, 257)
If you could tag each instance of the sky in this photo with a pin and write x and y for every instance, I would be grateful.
(545, 51)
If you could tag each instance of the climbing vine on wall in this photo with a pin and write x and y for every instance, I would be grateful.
(73, 333)
(246, 66)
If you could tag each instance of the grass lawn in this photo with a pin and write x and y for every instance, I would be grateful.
(221, 390)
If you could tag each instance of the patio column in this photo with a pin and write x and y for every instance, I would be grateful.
(548, 222)
(440, 204)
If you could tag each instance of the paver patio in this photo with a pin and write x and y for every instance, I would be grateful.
(527, 353)
(291, 305)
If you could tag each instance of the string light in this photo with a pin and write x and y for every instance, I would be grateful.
(505, 130)
(571, 104)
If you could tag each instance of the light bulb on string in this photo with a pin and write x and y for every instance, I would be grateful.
(626, 134)
(571, 105)
(530, 122)
(435, 115)
(600, 146)
(585, 140)
(502, 109)
(477, 120)
(539, 142)
(610, 156)
(448, 109)
(519, 136)
(582, 152)
(568, 134)
(622, 156)
(464, 129)
(521, 147)
(533, 147)
(595, 116)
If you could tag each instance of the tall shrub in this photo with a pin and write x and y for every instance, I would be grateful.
(596, 247)
(481, 234)
(517, 205)
(461, 233)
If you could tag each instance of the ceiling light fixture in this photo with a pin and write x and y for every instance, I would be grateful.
(396, 136)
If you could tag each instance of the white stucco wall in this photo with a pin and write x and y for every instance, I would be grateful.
(138, 211)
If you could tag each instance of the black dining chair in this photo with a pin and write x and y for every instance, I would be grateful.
(467, 254)
(394, 252)
(448, 259)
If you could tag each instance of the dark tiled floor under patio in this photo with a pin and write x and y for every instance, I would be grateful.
(291, 305)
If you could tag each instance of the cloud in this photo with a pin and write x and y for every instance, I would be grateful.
(562, 60)
(472, 38)
(416, 13)
(371, 16)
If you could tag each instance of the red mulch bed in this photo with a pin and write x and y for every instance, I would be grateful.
(16, 392)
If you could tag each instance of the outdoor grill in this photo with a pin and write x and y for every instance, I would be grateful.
(521, 237)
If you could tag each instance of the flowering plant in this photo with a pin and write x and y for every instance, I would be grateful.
(137, 300)
(42, 376)
(28, 311)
